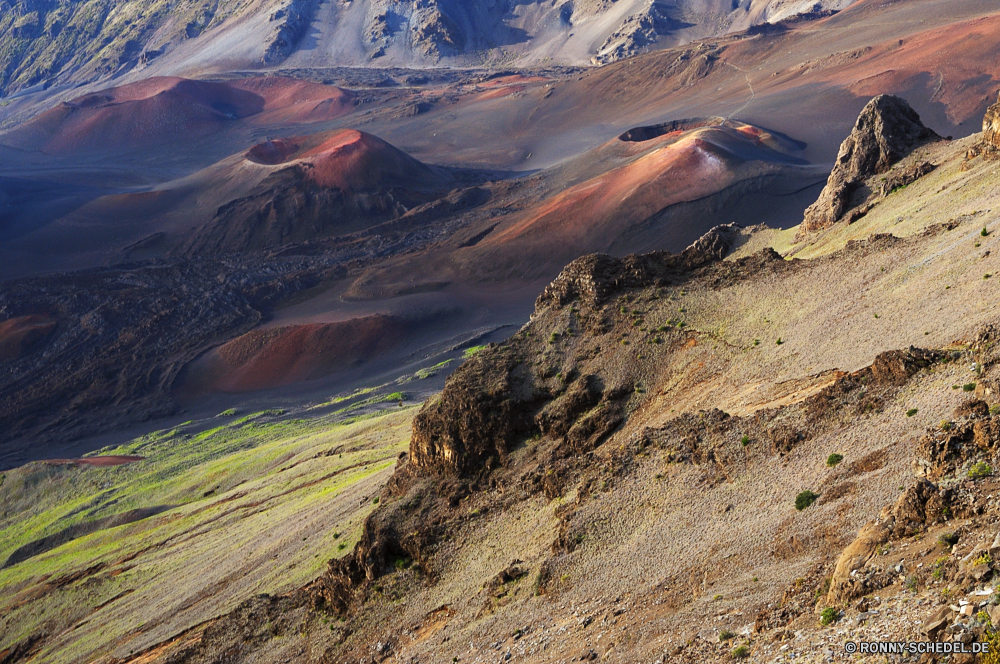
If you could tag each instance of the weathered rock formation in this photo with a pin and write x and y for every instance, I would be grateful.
(921, 504)
(991, 129)
(886, 131)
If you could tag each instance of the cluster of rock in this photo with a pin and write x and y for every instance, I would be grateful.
(887, 130)
(991, 126)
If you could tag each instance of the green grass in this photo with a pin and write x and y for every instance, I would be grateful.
(421, 374)
(469, 352)
(256, 506)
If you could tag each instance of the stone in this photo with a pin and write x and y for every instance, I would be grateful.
(980, 571)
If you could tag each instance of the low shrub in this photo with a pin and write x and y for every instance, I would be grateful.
(805, 499)
(834, 459)
(948, 540)
(979, 470)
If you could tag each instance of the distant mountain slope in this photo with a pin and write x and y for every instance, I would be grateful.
(59, 41)
(43, 40)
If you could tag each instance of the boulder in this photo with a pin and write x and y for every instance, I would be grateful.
(937, 622)
(916, 507)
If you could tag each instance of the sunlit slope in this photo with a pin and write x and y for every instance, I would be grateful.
(256, 505)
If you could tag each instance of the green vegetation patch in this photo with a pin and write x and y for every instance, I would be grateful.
(979, 470)
(805, 499)
(246, 508)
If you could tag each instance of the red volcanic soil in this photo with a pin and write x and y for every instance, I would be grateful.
(352, 160)
(280, 356)
(17, 335)
(684, 168)
(110, 460)
(273, 152)
(293, 101)
(138, 114)
(166, 109)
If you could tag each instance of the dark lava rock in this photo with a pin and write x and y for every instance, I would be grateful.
(886, 131)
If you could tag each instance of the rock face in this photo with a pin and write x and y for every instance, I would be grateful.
(886, 131)
(637, 32)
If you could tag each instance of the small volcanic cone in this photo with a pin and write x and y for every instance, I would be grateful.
(681, 162)
(165, 110)
(345, 183)
(273, 357)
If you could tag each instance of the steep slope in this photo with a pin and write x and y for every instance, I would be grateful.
(44, 44)
(47, 42)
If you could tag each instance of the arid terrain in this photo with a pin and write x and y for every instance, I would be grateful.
(361, 332)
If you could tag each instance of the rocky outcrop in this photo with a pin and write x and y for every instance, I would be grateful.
(291, 21)
(637, 32)
(429, 30)
(497, 399)
(922, 504)
(594, 278)
(990, 145)
(886, 131)
(435, 34)
(991, 125)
